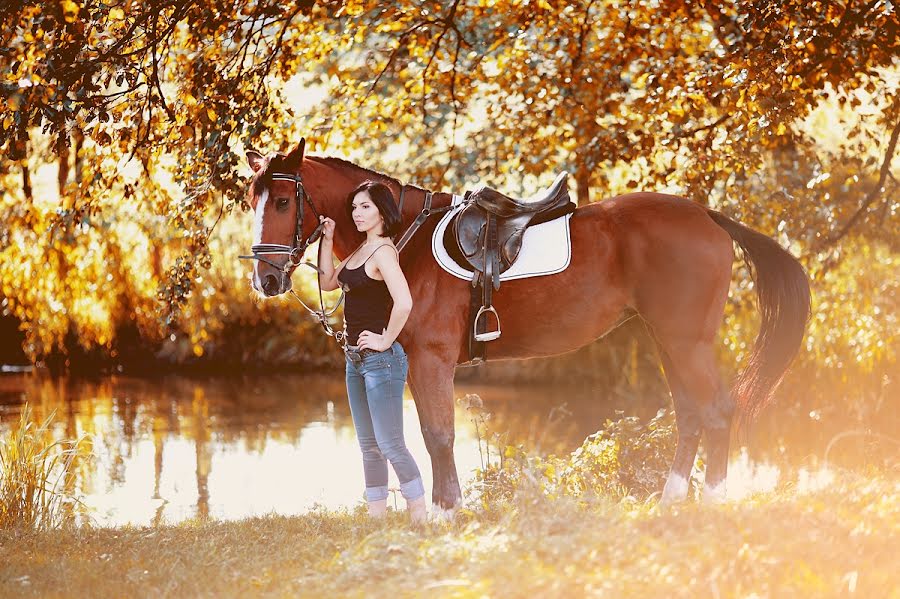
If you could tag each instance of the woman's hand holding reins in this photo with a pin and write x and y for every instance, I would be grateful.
(370, 340)
(328, 280)
(328, 230)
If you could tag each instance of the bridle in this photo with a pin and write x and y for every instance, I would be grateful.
(298, 245)
(296, 250)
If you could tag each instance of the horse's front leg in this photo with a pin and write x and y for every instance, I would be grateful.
(431, 382)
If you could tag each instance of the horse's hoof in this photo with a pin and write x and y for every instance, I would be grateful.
(715, 494)
(440, 514)
(675, 491)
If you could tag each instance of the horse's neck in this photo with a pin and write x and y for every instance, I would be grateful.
(334, 182)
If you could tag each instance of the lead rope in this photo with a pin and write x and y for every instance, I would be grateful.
(322, 315)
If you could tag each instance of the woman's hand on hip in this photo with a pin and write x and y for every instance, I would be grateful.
(328, 229)
(370, 340)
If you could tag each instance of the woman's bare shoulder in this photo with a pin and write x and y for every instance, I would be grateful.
(386, 254)
(381, 252)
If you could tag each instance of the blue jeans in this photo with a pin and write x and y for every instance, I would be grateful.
(375, 390)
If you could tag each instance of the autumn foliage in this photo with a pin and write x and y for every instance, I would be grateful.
(124, 124)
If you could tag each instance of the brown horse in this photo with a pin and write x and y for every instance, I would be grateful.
(664, 257)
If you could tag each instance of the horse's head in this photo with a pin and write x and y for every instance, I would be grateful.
(278, 197)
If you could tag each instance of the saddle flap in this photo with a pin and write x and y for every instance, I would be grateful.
(469, 231)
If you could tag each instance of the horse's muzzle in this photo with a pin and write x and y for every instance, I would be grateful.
(271, 284)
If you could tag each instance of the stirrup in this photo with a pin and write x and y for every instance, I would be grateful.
(487, 335)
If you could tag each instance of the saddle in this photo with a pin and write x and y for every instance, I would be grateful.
(487, 235)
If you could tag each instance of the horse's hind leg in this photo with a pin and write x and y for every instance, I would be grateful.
(717, 437)
(702, 397)
(687, 420)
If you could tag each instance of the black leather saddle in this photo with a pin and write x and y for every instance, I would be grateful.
(486, 238)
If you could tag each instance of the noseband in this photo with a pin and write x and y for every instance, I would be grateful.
(298, 245)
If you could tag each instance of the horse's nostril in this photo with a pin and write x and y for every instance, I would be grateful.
(270, 285)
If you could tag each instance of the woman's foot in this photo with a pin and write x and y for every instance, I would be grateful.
(418, 513)
(378, 509)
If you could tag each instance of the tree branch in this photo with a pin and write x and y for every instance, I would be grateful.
(393, 55)
(879, 187)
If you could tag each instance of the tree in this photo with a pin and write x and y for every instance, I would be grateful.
(714, 99)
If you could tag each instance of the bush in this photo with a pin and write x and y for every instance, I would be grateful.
(627, 457)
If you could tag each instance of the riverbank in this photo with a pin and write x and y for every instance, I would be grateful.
(841, 539)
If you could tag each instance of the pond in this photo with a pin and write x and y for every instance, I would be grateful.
(170, 449)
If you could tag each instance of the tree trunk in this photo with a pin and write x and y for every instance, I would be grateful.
(78, 134)
(62, 150)
(583, 184)
(26, 182)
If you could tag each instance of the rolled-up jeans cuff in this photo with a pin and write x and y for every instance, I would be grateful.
(376, 493)
(412, 489)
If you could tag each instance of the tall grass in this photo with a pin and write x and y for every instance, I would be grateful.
(37, 476)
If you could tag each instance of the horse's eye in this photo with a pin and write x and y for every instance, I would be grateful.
(282, 203)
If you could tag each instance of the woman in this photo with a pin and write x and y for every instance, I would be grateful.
(377, 306)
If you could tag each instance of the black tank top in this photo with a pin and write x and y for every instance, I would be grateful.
(368, 302)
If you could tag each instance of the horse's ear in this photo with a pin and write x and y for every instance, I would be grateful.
(294, 159)
(256, 160)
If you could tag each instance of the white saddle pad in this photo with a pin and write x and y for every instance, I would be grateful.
(546, 249)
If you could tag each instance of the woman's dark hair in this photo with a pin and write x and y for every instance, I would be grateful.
(384, 200)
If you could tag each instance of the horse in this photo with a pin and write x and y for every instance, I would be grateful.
(663, 257)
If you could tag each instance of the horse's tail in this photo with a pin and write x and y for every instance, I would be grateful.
(782, 289)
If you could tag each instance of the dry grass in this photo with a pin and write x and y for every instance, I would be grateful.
(839, 541)
(35, 476)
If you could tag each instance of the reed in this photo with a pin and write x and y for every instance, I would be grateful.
(36, 476)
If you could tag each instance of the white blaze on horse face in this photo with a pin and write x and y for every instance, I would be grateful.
(258, 218)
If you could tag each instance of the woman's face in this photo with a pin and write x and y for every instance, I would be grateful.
(365, 213)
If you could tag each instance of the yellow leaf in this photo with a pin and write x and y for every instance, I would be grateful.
(116, 14)
(211, 114)
(70, 10)
(641, 81)
(190, 100)
(7, 122)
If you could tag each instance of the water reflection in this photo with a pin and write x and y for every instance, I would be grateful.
(175, 448)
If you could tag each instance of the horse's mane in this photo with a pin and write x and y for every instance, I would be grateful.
(264, 176)
(334, 161)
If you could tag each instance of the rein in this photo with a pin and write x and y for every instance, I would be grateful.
(299, 246)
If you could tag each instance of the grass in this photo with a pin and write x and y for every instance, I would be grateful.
(839, 541)
(35, 476)
(538, 526)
